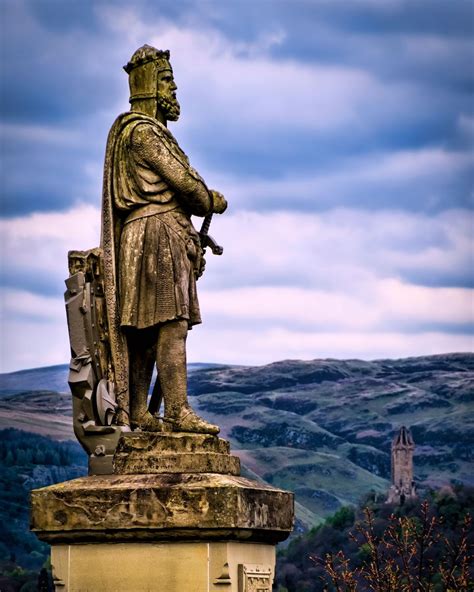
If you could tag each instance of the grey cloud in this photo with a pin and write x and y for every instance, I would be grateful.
(52, 75)
(215, 321)
(35, 281)
(42, 174)
(293, 108)
(342, 248)
(68, 74)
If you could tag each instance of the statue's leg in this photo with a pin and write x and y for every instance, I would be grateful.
(171, 364)
(142, 349)
(172, 374)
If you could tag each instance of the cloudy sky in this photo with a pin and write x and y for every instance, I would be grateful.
(341, 132)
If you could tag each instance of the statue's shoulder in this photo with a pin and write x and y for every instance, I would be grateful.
(122, 133)
(127, 122)
(133, 127)
(147, 129)
(146, 125)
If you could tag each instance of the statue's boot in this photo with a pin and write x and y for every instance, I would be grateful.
(188, 421)
(122, 418)
(147, 423)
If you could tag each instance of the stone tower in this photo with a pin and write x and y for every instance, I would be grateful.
(403, 485)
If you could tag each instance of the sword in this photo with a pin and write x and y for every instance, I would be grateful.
(206, 239)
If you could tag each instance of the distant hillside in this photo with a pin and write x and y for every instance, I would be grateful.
(50, 378)
(54, 378)
(321, 428)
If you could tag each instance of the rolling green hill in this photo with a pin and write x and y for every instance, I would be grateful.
(321, 428)
(324, 427)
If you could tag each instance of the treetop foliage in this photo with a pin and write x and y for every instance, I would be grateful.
(422, 546)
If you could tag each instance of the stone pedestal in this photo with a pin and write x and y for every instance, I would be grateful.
(140, 452)
(175, 517)
(164, 567)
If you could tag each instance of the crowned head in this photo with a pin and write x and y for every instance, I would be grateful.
(152, 85)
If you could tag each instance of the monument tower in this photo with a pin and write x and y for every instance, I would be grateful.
(164, 506)
(403, 485)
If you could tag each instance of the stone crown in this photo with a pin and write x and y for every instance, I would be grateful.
(146, 54)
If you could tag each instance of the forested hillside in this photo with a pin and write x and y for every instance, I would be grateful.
(28, 461)
(430, 538)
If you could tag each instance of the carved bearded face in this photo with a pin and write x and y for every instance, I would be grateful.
(167, 102)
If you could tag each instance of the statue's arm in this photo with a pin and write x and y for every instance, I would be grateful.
(157, 153)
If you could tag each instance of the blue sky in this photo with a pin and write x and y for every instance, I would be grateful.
(340, 132)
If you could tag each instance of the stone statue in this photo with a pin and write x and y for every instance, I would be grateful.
(152, 253)
(166, 488)
(142, 280)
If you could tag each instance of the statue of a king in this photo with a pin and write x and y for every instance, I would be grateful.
(152, 254)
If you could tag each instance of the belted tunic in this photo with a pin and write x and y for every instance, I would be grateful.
(155, 192)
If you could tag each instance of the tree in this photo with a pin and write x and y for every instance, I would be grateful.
(412, 554)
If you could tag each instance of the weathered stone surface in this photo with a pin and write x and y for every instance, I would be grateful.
(148, 453)
(192, 566)
(152, 255)
(189, 462)
(152, 442)
(403, 485)
(161, 507)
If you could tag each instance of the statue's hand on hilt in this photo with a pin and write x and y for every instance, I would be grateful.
(219, 202)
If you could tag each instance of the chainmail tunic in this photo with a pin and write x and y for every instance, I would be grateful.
(156, 191)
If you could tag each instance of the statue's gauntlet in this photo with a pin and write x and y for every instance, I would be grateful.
(219, 202)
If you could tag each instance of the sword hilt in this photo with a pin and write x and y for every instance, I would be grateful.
(205, 225)
(206, 240)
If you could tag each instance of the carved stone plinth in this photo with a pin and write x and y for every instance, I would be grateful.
(190, 531)
(144, 452)
(161, 507)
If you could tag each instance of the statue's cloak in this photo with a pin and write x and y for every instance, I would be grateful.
(117, 206)
(112, 221)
